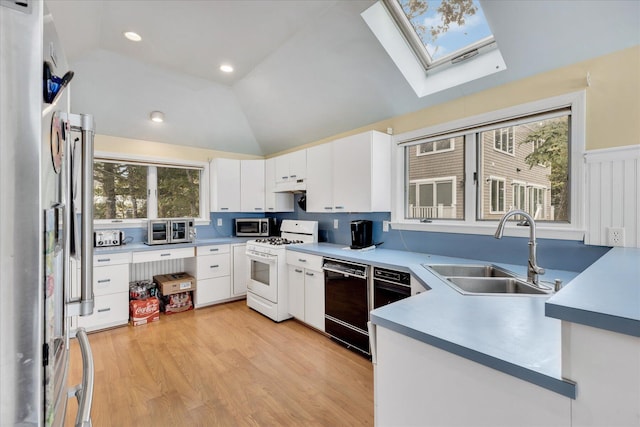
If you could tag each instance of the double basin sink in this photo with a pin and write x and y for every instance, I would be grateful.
(486, 279)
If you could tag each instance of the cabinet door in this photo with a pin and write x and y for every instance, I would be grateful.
(274, 202)
(225, 185)
(314, 298)
(252, 185)
(240, 270)
(297, 165)
(296, 292)
(352, 173)
(212, 290)
(282, 168)
(320, 179)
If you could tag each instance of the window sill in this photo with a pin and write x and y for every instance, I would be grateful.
(542, 231)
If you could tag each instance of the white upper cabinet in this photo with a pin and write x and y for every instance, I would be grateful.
(225, 185)
(252, 187)
(291, 171)
(320, 178)
(275, 202)
(351, 174)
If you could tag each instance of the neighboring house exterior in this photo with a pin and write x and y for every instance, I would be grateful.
(436, 177)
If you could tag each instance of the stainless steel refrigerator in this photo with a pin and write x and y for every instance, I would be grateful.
(46, 156)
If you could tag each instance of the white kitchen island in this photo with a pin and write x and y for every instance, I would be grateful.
(446, 359)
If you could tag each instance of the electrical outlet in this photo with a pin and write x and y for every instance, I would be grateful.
(616, 236)
(335, 223)
(385, 226)
(219, 222)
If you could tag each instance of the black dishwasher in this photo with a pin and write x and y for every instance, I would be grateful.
(346, 294)
(390, 286)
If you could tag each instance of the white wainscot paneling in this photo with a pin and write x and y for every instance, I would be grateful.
(613, 194)
(146, 270)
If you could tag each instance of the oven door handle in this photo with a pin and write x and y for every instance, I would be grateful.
(397, 288)
(344, 273)
(270, 259)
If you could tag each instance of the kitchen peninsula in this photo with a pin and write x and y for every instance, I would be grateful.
(507, 360)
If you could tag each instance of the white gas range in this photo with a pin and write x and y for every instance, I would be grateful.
(267, 288)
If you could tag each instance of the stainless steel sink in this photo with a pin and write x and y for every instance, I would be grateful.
(486, 279)
(469, 270)
(496, 285)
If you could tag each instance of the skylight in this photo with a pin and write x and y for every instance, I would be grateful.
(442, 28)
(436, 44)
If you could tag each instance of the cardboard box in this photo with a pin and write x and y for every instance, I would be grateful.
(144, 311)
(176, 303)
(175, 283)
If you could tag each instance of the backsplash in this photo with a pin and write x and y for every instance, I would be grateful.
(552, 254)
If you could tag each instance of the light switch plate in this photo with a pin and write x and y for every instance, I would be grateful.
(385, 226)
(219, 222)
(335, 223)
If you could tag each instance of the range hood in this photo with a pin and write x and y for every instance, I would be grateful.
(297, 186)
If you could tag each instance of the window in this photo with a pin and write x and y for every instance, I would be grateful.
(541, 175)
(440, 29)
(125, 191)
(436, 146)
(435, 180)
(503, 140)
(436, 44)
(496, 195)
(433, 198)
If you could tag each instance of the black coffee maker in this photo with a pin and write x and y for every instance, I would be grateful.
(361, 234)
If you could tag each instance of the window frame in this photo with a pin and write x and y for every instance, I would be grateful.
(152, 208)
(575, 230)
(511, 137)
(434, 181)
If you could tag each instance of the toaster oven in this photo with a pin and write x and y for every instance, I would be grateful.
(166, 231)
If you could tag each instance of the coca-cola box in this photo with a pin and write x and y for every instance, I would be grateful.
(144, 311)
(175, 283)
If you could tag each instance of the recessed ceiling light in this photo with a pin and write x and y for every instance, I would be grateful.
(226, 68)
(134, 37)
(157, 116)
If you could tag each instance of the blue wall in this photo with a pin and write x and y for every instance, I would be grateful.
(553, 254)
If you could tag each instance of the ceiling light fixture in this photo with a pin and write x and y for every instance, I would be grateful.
(157, 116)
(226, 68)
(134, 37)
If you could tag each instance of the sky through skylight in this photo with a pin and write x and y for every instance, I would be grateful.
(456, 38)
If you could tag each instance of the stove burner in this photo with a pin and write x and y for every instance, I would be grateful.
(277, 241)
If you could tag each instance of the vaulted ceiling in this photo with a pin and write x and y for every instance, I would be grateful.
(304, 70)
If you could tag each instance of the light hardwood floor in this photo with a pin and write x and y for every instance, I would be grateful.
(225, 365)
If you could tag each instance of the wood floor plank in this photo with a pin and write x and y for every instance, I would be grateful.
(221, 366)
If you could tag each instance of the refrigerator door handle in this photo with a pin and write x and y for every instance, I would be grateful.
(84, 392)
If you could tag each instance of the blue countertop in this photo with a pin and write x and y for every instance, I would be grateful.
(507, 333)
(606, 295)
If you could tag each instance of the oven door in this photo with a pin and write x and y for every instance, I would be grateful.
(263, 275)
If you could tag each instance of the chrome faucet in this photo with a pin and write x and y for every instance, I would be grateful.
(533, 269)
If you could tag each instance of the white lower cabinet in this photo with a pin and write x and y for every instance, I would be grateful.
(110, 289)
(306, 288)
(212, 269)
(240, 268)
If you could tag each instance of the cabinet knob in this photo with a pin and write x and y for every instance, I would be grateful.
(214, 250)
(104, 259)
(215, 266)
(302, 260)
(339, 207)
(104, 281)
(297, 270)
(310, 274)
(165, 254)
(102, 310)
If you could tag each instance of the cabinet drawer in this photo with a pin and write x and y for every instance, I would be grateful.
(213, 266)
(312, 262)
(212, 250)
(111, 259)
(110, 279)
(161, 255)
(109, 310)
(212, 290)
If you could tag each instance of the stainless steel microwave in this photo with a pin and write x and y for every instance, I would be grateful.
(256, 227)
(166, 231)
